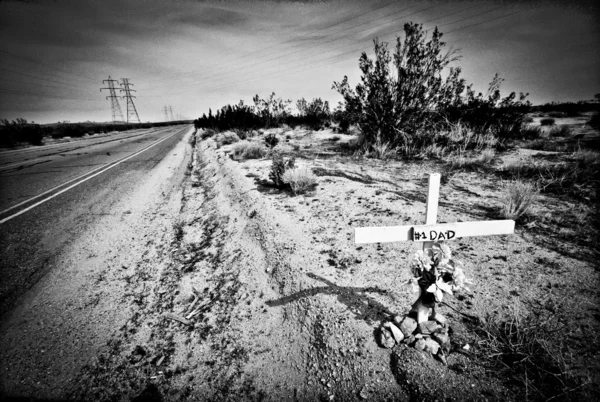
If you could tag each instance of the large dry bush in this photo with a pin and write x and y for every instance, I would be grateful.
(403, 100)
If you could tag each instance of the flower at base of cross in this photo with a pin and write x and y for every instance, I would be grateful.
(435, 271)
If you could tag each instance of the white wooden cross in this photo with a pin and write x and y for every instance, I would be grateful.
(431, 232)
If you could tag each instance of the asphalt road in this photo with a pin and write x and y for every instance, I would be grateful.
(49, 195)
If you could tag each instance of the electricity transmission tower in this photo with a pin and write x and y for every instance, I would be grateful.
(171, 112)
(166, 112)
(117, 115)
(131, 110)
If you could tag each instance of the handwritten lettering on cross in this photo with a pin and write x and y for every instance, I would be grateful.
(431, 232)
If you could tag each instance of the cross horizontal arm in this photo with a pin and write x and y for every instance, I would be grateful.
(444, 231)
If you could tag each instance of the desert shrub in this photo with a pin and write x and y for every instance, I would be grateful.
(226, 138)
(517, 199)
(396, 109)
(241, 117)
(547, 121)
(271, 110)
(248, 150)
(271, 140)
(560, 131)
(314, 114)
(279, 166)
(405, 108)
(299, 179)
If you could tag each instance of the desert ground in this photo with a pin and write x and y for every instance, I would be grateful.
(234, 289)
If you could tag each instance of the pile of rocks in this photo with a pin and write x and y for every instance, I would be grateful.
(429, 336)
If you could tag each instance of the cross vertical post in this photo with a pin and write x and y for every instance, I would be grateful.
(433, 194)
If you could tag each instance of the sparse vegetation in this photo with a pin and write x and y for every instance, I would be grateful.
(517, 199)
(226, 138)
(248, 150)
(279, 166)
(299, 179)
(530, 349)
(314, 114)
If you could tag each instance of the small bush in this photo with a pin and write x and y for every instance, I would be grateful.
(518, 197)
(278, 168)
(300, 179)
(271, 140)
(248, 150)
(547, 121)
(227, 138)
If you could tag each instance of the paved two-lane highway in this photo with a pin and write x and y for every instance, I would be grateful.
(46, 194)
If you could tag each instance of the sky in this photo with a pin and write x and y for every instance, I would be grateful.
(194, 55)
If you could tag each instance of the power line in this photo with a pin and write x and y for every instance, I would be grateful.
(352, 52)
(131, 110)
(395, 30)
(114, 102)
(24, 93)
(37, 77)
(35, 84)
(295, 38)
(279, 56)
(47, 66)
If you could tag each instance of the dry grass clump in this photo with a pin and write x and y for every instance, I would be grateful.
(248, 150)
(226, 138)
(517, 199)
(529, 348)
(300, 179)
(459, 161)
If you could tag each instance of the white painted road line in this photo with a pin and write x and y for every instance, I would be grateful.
(103, 169)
